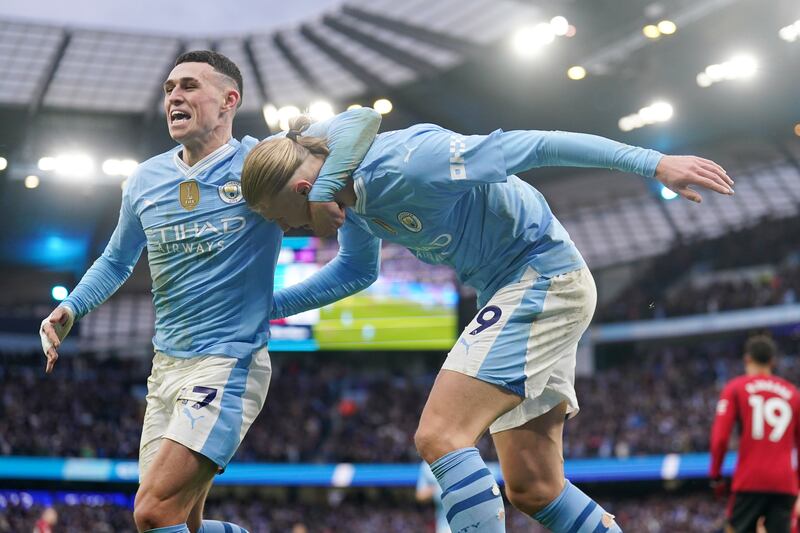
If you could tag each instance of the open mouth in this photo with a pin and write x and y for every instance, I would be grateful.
(179, 117)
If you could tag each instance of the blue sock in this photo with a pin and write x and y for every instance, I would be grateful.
(180, 528)
(214, 526)
(574, 512)
(470, 497)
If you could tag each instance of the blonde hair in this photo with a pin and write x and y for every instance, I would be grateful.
(271, 163)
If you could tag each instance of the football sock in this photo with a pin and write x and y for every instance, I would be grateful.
(470, 496)
(575, 512)
(179, 528)
(214, 526)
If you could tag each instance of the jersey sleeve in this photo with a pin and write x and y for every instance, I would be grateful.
(354, 268)
(721, 430)
(349, 136)
(524, 150)
(114, 266)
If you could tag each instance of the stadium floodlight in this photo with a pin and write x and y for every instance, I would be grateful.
(651, 31)
(31, 182)
(656, 112)
(576, 73)
(321, 110)
(271, 116)
(285, 114)
(383, 106)
(3, 163)
(740, 67)
(71, 165)
(59, 293)
(117, 167)
(790, 33)
(668, 194)
(529, 40)
(559, 25)
(667, 27)
(354, 106)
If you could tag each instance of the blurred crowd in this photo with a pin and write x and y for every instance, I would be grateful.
(685, 282)
(658, 513)
(343, 412)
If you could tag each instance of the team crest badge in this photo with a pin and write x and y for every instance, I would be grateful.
(189, 194)
(384, 225)
(231, 192)
(410, 221)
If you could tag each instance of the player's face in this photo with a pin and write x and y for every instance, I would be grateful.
(194, 96)
(289, 208)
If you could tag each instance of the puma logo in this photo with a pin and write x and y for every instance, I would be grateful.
(467, 346)
(607, 520)
(193, 419)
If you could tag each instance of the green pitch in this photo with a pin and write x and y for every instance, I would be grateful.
(363, 321)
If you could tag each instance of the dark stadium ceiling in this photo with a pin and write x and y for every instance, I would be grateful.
(443, 61)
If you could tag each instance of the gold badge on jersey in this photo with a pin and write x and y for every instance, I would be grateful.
(189, 194)
(384, 225)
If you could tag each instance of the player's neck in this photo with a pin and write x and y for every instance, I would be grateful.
(347, 196)
(753, 370)
(196, 150)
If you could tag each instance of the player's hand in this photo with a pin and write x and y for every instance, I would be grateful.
(720, 487)
(326, 218)
(52, 331)
(679, 173)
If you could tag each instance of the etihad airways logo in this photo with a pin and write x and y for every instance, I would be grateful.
(201, 236)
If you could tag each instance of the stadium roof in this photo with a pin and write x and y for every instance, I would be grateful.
(85, 83)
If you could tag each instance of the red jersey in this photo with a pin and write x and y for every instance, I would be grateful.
(42, 527)
(767, 409)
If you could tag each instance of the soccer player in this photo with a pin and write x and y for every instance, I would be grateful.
(453, 199)
(766, 409)
(428, 489)
(212, 263)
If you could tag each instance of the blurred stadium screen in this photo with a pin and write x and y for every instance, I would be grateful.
(412, 306)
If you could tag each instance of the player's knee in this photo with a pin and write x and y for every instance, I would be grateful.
(531, 496)
(432, 443)
(150, 513)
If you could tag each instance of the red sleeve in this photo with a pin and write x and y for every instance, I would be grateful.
(721, 431)
(797, 430)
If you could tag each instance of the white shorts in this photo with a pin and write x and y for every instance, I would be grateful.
(525, 340)
(205, 403)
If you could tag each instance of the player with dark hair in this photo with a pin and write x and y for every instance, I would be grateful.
(212, 262)
(766, 409)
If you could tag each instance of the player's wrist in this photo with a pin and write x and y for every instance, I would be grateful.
(325, 189)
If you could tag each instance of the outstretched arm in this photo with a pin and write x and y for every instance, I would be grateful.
(353, 269)
(102, 279)
(524, 150)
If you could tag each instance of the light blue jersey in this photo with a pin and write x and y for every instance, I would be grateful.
(453, 199)
(426, 479)
(211, 259)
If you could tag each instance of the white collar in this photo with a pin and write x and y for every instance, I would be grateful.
(204, 164)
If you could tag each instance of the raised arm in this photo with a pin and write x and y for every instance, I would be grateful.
(349, 136)
(353, 269)
(102, 279)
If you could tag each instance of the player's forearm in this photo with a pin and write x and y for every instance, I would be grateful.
(102, 280)
(349, 135)
(524, 150)
(335, 281)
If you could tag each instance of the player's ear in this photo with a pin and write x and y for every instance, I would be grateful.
(302, 187)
